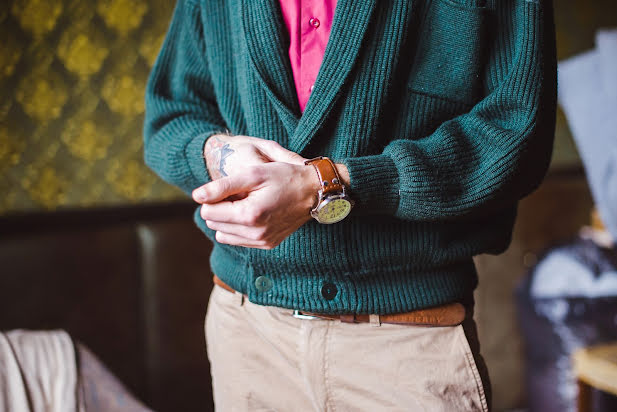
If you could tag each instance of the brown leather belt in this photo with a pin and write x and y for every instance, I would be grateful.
(450, 314)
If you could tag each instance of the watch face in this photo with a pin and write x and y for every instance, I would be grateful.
(334, 210)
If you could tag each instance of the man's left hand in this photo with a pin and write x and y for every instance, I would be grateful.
(279, 199)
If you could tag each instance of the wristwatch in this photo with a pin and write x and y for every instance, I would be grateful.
(334, 204)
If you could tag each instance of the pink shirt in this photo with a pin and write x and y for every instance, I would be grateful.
(308, 24)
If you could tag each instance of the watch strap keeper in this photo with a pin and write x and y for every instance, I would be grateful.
(329, 179)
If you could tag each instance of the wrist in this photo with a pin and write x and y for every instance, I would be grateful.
(212, 153)
(311, 185)
(343, 173)
(209, 141)
(326, 187)
(208, 158)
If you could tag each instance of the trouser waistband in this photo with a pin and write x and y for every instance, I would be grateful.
(450, 314)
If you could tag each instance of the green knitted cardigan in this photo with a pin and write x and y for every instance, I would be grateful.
(442, 110)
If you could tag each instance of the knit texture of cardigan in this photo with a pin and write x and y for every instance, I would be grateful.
(442, 110)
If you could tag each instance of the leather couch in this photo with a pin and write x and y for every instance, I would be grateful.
(132, 284)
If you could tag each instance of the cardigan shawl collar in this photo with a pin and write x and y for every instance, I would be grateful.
(267, 42)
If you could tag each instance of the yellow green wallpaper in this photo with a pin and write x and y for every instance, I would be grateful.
(72, 77)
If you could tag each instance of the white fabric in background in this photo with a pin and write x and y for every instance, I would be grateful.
(559, 274)
(587, 93)
(38, 368)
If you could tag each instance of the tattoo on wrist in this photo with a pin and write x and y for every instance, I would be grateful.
(217, 152)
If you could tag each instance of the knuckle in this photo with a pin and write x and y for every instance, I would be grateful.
(256, 172)
(273, 144)
(269, 245)
(247, 217)
(261, 215)
(269, 242)
(224, 185)
(261, 234)
(253, 216)
(208, 191)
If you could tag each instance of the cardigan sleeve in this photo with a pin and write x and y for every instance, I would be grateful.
(487, 158)
(181, 108)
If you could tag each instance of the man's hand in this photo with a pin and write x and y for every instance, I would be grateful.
(260, 193)
(226, 155)
(279, 197)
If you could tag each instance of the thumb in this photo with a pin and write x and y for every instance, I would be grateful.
(224, 187)
(278, 153)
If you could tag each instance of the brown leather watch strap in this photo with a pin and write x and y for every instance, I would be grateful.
(329, 178)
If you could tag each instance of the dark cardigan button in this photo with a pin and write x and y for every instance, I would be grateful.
(329, 290)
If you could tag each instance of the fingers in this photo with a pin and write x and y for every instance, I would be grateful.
(225, 212)
(230, 228)
(238, 196)
(241, 212)
(235, 240)
(225, 187)
(278, 153)
(247, 232)
(272, 149)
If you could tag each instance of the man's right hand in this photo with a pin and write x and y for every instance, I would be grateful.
(227, 155)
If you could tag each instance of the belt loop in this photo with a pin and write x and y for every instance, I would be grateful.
(239, 298)
(348, 318)
(375, 320)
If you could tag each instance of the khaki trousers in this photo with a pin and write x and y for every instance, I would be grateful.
(264, 359)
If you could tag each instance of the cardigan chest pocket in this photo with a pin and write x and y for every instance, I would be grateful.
(449, 58)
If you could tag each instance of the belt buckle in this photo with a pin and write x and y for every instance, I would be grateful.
(299, 315)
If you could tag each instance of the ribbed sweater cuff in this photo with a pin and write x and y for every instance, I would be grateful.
(374, 184)
(194, 153)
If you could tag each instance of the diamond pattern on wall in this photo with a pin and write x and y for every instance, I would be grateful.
(72, 77)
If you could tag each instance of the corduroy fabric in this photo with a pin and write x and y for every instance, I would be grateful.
(442, 110)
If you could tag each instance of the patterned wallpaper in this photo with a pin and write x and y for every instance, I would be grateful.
(72, 77)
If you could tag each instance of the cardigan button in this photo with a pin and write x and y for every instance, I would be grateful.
(263, 283)
(329, 290)
(314, 22)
